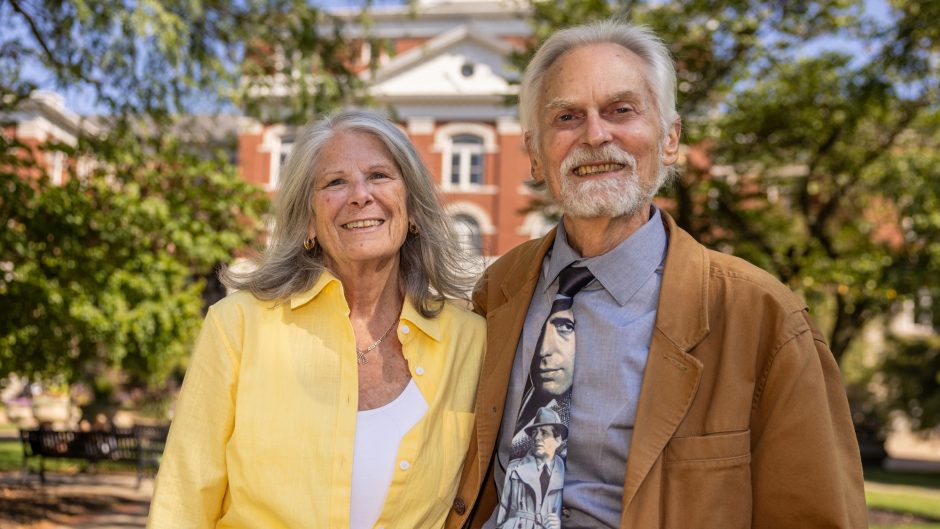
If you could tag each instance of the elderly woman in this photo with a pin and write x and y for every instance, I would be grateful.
(336, 388)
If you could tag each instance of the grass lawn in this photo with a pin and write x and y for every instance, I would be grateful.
(904, 493)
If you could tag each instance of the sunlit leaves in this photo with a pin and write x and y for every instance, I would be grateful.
(106, 270)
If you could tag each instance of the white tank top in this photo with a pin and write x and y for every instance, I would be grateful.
(378, 435)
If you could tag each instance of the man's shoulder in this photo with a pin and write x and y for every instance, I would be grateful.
(739, 274)
(526, 253)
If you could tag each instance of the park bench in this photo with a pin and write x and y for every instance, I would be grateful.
(140, 445)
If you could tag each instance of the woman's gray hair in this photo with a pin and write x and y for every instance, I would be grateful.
(638, 39)
(433, 267)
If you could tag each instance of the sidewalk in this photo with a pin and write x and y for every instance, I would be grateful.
(80, 501)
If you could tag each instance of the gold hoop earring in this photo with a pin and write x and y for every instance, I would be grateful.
(310, 243)
(412, 227)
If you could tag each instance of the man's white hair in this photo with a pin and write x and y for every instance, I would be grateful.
(638, 39)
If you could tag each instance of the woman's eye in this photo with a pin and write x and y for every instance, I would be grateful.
(376, 176)
(334, 182)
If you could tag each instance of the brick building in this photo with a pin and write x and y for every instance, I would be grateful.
(44, 119)
(446, 83)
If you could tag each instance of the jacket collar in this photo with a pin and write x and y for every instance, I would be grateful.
(682, 315)
(504, 321)
(672, 376)
(528, 268)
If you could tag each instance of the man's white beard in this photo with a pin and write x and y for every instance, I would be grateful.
(608, 197)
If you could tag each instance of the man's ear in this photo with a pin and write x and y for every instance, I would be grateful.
(535, 162)
(671, 143)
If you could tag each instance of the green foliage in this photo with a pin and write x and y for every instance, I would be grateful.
(910, 375)
(924, 480)
(105, 270)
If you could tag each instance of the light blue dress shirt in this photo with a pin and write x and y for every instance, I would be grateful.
(615, 315)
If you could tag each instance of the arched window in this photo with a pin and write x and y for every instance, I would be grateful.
(468, 234)
(464, 147)
(466, 161)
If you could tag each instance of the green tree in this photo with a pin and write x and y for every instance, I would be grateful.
(108, 270)
(820, 166)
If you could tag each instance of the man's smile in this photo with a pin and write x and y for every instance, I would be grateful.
(586, 170)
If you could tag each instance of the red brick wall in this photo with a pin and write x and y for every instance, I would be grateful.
(253, 164)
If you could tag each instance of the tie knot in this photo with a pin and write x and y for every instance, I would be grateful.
(572, 279)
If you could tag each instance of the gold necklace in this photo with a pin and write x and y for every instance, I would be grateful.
(361, 354)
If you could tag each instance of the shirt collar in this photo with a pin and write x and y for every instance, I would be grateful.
(621, 271)
(302, 298)
(429, 326)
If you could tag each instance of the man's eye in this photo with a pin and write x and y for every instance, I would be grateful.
(566, 117)
(563, 326)
(623, 110)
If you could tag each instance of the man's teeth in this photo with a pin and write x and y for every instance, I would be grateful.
(362, 224)
(593, 169)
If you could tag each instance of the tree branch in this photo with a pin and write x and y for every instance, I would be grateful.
(37, 34)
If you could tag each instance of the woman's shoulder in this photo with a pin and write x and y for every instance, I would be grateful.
(239, 303)
(460, 313)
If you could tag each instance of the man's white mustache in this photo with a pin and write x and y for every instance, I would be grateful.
(588, 155)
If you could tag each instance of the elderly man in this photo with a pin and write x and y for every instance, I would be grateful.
(702, 395)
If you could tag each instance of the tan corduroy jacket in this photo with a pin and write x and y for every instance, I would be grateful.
(742, 419)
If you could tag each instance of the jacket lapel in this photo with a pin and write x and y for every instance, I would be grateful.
(504, 323)
(672, 375)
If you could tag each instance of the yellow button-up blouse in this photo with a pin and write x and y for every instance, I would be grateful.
(265, 423)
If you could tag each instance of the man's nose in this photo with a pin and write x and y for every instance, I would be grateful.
(596, 130)
(547, 348)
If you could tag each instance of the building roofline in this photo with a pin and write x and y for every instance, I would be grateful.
(418, 54)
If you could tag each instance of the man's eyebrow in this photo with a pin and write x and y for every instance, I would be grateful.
(626, 95)
(559, 103)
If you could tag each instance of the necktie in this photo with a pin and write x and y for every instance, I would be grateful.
(542, 423)
(546, 477)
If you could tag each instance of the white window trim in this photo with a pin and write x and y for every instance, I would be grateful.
(443, 143)
(55, 161)
(473, 211)
(271, 143)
